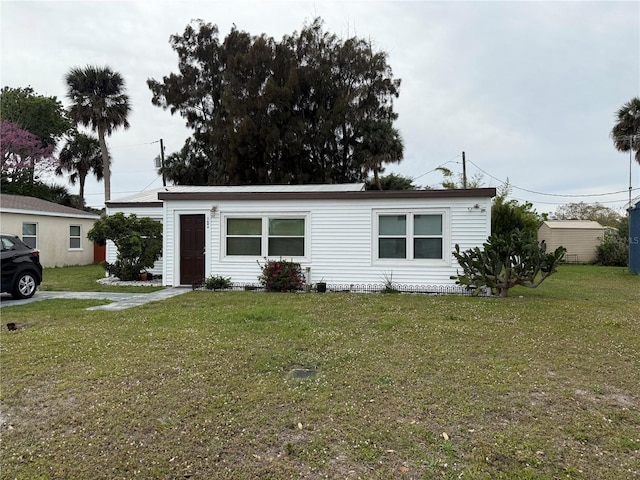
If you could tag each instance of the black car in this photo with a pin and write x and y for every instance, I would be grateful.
(21, 268)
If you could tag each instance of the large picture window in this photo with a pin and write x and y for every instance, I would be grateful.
(273, 236)
(411, 235)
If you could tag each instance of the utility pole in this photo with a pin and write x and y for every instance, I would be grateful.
(164, 179)
(464, 172)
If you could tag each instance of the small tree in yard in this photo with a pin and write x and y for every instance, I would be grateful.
(506, 261)
(139, 243)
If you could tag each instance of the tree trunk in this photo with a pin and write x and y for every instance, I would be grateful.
(106, 165)
(81, 194)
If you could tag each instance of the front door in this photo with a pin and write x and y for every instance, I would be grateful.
(191, 249)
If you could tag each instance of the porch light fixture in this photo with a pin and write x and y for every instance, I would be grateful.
(214, 209)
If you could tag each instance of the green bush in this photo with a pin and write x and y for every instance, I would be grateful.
(139, 243)
(613, 251)
(281, 276)
(217, 282)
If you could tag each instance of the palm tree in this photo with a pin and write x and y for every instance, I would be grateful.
(381, 144)
(80, 157)
(99, 101)
(626, 132)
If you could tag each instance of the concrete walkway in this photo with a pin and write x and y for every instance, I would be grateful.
(120, 301)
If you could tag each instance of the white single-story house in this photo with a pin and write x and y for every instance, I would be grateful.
(580, 237)
(340, 234)
(59, 232)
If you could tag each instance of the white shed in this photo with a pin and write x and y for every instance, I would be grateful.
(579, 237)
(340, 234)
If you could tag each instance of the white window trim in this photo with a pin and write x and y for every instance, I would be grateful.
(37, 236)
(409, 236)
(264, 245)
(75, 249)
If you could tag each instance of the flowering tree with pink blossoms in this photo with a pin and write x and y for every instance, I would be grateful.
(21, 150)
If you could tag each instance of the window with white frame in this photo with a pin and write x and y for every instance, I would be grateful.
(30, 234)
(75, 237)
(416, 235)
(274, 236)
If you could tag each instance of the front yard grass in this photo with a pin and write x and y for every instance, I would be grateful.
(83, 278)
(541, 385)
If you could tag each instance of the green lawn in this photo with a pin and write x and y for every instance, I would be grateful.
(542, 385)
(83, 279)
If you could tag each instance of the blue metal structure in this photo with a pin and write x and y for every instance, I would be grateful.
(634, 239)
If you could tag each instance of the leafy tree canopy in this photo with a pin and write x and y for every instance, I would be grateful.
(452, 181)
(21, 150)
(391, 182)
(44, 117)
(510, 215)
(597, 212)
(139, 243)
(311, 108)
(22, 184)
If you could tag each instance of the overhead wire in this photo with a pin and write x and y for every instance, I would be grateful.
(549, 194)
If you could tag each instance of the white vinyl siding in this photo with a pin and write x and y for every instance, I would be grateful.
(75, 237)
(340, 240)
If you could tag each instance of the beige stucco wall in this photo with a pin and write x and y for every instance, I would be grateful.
(53, 237)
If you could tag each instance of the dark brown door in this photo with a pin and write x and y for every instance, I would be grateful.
(191, 249)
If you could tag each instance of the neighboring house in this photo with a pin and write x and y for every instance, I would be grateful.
(59, 232)
(580, 237)
(339, 234)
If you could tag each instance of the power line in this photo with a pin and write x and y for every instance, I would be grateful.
(439, 166)
(548, 194)
(134, 145)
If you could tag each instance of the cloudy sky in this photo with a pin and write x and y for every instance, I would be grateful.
(528, 90)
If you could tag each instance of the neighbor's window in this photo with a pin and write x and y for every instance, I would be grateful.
(411, 236)
(75, 237)
(273, 236)
(30, 234)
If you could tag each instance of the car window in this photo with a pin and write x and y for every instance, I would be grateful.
(7, 244)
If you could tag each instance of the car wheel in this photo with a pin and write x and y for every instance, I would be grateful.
(25, 285)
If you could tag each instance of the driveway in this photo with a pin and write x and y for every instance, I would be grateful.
(119, 301)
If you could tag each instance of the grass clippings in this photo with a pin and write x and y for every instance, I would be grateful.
(542, 385)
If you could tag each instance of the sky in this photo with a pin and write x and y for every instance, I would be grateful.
(528, 90)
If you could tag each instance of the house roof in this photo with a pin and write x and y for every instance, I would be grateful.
(284, 192)
(37, 206)
(573, 224)
(150, 197)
